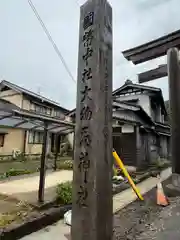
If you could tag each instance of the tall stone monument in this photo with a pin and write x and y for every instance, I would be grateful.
(92, 181)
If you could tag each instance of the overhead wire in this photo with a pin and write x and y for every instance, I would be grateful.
(51, 39)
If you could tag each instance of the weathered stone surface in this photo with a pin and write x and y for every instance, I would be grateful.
(92, 183)
(173, 189)
(176, 180)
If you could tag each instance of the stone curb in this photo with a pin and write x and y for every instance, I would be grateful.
(33, 224)
(123, 186)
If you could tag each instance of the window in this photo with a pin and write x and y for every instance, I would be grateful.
(35, 137)
(59, 114)
(2, 136)
(31, 137)
(162, 118)
(48, 111)
(42, 109)
(37, 109)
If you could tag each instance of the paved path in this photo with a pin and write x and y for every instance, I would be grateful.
(27, 187)
(119, 201)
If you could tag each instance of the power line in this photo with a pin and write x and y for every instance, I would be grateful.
(51, 39)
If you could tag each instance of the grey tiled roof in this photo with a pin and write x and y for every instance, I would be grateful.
(32, 94)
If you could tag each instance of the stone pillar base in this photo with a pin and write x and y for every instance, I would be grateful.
(173, 189)
(176, 180)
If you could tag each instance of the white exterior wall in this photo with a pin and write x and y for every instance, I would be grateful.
(70, 137)
(127, 128)
(143, 101)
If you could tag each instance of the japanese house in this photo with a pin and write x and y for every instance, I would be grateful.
(141, 133)
(16, 139)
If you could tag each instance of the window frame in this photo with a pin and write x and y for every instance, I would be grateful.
(3, 139)
(36, 137)
(41, 109)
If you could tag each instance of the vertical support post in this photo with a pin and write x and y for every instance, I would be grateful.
(56, 150)
(148, 148)
(24, 142)
(174, 97)
(92, 178)
(138, 148)
(73, 145)
(43, 165)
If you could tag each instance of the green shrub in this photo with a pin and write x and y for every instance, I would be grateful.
(161, 163)
(3, 176)
(64, 192)
(15, 172)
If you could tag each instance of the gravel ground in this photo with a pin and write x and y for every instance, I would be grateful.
(131, 221)
(141, 220)
(166, 224)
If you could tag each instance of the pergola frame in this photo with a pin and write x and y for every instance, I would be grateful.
(39, 122)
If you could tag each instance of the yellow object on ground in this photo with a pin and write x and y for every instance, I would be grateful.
(126, 174)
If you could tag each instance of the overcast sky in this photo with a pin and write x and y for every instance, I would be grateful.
(28, 59)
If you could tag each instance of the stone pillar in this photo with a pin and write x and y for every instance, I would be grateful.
(174, 98)
(92, 178)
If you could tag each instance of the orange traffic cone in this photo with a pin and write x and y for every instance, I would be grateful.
(161, 198)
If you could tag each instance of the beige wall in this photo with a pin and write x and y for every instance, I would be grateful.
(13, 140)
(33, 148)
(26, 104)
(36, 148)
(12, 96)
(16, 98)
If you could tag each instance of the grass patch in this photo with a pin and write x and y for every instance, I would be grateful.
(32, 166)
(15, 172)
(18, 215)
(15, 168)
